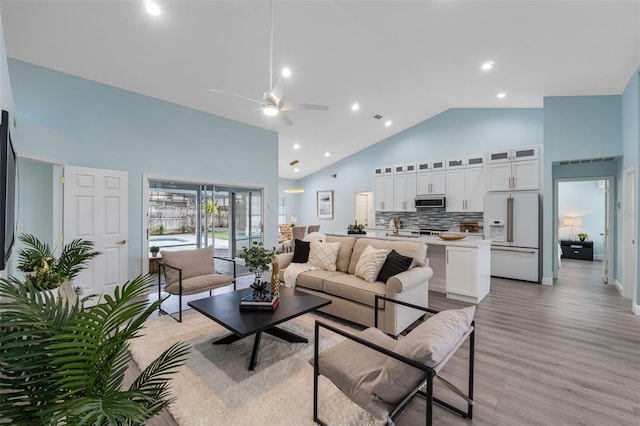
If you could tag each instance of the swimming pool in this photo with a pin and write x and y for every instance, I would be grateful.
(163, 241)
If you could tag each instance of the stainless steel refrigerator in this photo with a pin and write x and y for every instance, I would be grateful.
(513, 222)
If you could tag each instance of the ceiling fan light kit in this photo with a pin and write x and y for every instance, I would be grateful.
(272, 103)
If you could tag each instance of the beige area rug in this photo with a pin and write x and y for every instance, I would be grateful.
(215, 387)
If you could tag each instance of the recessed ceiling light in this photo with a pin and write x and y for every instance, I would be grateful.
(286, 72)
(502, 95)
(355, 107)
(296, 170)
(326, 154)
(296, 146)
(387, 123)
(152, 8)
(487, 65)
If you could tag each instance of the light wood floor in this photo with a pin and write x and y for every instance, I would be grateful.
(562, 355)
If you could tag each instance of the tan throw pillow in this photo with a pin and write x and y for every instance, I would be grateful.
(323, 255)
(429, 343)
(370, 263)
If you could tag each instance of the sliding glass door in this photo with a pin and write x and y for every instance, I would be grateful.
(186, 215)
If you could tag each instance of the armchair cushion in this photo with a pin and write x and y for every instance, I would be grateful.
(394, 264)
(193, 263)
(429, 343)
(355, 375)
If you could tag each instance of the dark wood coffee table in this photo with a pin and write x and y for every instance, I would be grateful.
(224, 309)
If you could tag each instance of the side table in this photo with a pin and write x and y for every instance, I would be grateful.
(153, 263)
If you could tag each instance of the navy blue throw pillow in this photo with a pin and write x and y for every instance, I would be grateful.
(394, 264)
(301, 251)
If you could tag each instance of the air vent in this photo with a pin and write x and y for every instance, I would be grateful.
(294, 162)
(377, 116)
(584, 161)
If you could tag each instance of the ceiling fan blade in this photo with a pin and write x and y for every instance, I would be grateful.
(291, 106)
(285, 118)
(276, 93)
(224, 92)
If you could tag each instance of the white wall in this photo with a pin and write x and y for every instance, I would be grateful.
(585, 200)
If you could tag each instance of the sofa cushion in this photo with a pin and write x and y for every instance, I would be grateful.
(323, 255)
(394, 264)
(199, 284)
(417, 250)
(344, 252)
(353, 288)
(314, 279)
(301, 251)
(370, 263)
(429, 343)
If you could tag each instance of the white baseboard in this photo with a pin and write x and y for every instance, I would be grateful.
(598, 257)
(547, 281)
(619, 287)
(635, 309)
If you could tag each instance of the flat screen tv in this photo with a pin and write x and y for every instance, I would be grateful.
(7, 191)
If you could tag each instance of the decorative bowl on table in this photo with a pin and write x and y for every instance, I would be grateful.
(451, 237)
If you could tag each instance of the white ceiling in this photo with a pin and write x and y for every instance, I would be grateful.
(407, 61)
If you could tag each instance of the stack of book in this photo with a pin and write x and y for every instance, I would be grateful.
(266, 302)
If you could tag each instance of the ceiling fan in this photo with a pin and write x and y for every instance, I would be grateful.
(272, 103)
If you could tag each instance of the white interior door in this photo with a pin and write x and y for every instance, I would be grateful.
(95, 209)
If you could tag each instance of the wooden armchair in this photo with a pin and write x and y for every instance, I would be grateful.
(190, 272)
(383, 375)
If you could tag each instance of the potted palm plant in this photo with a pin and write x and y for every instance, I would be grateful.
(62, 363)
(43, 271)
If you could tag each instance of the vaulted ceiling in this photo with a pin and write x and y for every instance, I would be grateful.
(406, 61)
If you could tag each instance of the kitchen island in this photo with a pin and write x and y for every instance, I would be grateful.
(461, 268)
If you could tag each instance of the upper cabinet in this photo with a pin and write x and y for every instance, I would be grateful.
(515, 169)
(464, 184)
(431, 178)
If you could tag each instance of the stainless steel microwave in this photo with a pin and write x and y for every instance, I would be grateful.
(430, 202)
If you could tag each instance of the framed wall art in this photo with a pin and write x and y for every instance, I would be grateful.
(324, 204)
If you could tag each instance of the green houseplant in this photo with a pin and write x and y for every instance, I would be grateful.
(583, 236)
(258, 258)
(62, 364)
(154, 250)
(43, 270)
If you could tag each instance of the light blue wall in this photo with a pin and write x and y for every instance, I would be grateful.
(575, 127)
(456, 132)
(631, 142)
(35, 198)
(90, 124)
(291, 201)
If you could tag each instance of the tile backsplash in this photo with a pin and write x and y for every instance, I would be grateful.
(435, 218)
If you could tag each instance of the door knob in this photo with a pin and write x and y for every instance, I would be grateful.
(122, 242)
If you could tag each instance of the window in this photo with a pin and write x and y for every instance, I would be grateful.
(282, 211)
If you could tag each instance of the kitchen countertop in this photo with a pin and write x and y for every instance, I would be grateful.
(382, 234)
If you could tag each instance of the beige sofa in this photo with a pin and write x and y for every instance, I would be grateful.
(352, 298)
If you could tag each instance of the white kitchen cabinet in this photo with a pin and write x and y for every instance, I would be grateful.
(404, 192)
(383, 192)
(465, 189)
(471, 282)
(513, 169)
(431, 178)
